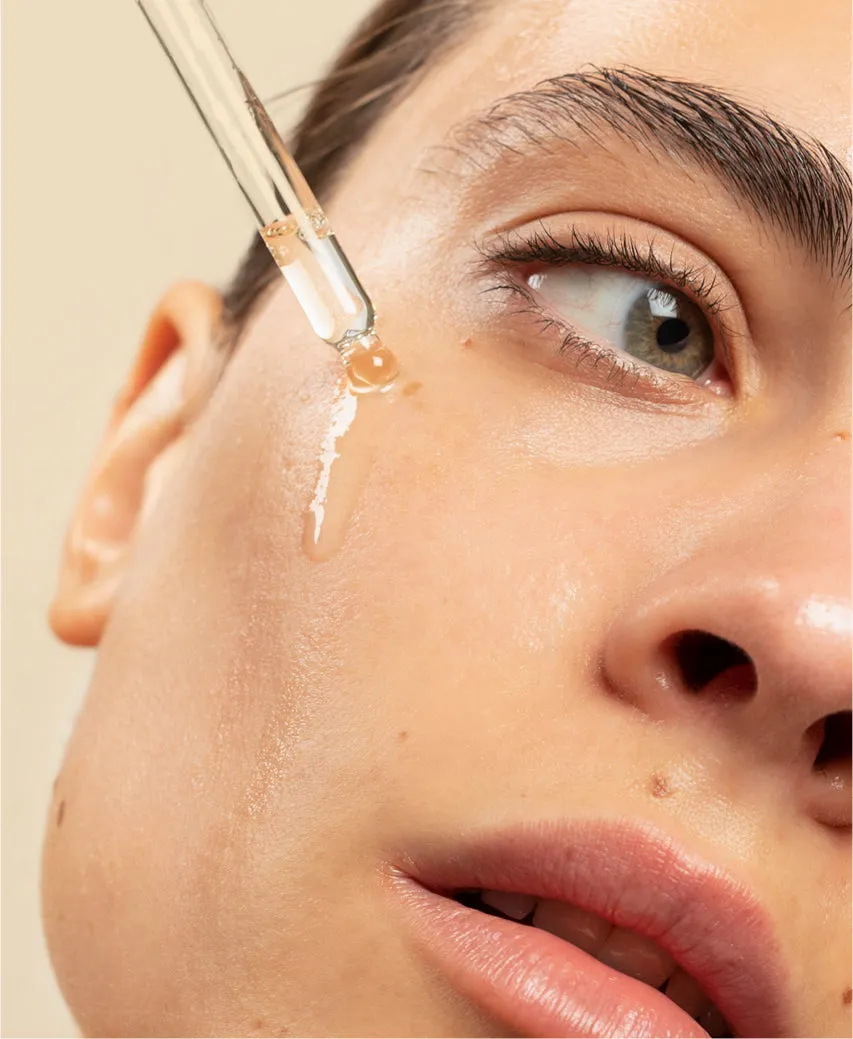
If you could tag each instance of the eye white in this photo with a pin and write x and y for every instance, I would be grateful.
(596, 301)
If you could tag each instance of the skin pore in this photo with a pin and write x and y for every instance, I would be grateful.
(496, 639)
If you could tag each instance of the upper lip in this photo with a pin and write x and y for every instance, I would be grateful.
(638, 877)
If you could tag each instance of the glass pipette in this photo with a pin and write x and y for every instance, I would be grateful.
(290, 219)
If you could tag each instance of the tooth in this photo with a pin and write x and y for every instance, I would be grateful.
(713, 1022)
(639, 957)
(586, 930)
(510, 903)
(684, 990)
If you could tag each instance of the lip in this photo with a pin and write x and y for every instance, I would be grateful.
(632, 874)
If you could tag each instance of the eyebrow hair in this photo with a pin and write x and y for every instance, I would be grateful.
(790, 180)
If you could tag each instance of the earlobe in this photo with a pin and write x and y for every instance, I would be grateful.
(175, 371)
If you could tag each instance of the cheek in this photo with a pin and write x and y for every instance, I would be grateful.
(251, 704)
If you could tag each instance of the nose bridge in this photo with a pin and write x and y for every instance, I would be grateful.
(789, 530)
(798, 539)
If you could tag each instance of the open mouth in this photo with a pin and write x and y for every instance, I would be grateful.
(596, 928)
(626, 951)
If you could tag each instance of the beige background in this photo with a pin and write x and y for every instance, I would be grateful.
(98, 142)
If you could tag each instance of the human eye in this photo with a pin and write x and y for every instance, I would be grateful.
(624, 310)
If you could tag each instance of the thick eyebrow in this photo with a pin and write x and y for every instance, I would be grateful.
(790, 181)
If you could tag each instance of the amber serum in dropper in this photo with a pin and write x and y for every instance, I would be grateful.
(289, 218)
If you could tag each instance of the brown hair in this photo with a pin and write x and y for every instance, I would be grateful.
(373, 71)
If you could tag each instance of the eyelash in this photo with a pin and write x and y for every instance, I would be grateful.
(515, 249)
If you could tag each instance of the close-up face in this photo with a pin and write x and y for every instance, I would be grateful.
(529, 712)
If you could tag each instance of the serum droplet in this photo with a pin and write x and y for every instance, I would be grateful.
(370, 365)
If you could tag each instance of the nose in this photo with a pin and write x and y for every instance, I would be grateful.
(750, 639)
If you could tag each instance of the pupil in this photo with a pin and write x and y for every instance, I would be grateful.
(671, 334)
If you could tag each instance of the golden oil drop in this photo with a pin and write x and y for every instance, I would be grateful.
(370, 365)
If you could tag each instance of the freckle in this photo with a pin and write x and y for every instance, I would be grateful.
(60, 813)
(467, 341)
(411, 388)
(847, 996)
(257, 1025)
(841, 436)
(402, 735)
(659, 786)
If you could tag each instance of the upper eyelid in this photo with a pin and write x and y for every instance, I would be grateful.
(621, 252)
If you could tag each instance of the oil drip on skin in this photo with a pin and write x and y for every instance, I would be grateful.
(346, 452)
(340, 313)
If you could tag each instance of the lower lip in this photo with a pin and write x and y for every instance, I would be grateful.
(533, 981)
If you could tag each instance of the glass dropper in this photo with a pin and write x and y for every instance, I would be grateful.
(290, 219)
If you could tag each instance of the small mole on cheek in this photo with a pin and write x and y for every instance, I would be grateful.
(847, 996)
(257, 1025)
(467, 341)
(60, 813)
(402, 735)
(411, 388)
(659, 786)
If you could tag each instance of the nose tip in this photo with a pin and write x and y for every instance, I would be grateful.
(765, 666)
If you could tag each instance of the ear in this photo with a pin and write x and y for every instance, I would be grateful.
(176, 370)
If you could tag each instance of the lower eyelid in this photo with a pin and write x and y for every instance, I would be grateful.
(619, 366)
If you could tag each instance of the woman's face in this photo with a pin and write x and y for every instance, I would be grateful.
(573, 587)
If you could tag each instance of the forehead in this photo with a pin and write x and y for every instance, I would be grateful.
(792, 59)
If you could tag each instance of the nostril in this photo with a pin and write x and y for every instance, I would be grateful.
(836, 745)
(702, 657)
